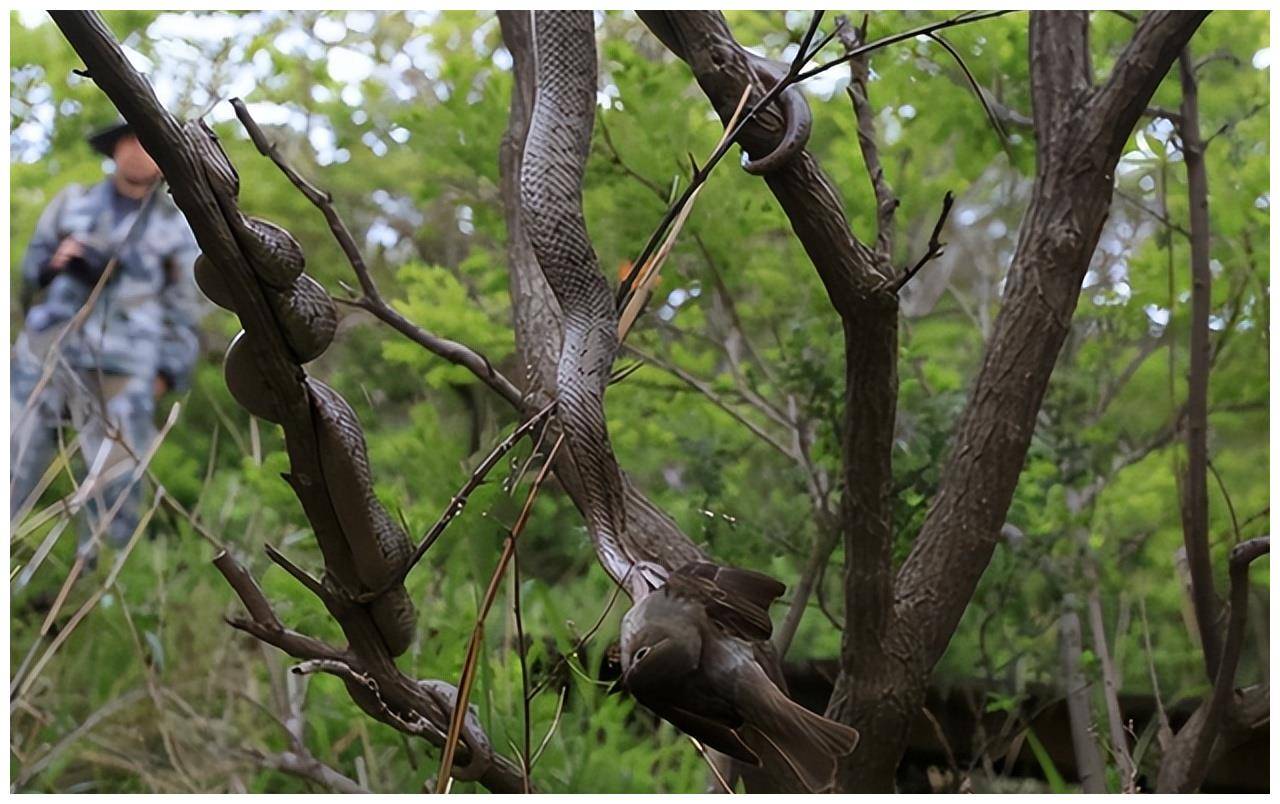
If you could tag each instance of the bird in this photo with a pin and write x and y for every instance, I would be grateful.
(688, 656)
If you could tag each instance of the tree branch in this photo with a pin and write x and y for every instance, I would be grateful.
(1089, 766)
(934, 251)
(1157, 40)
(1183, 768)
(1074, 178)
(398, 698)
(864, 115)
(1195, 497)
(372, 301)
(858, 281)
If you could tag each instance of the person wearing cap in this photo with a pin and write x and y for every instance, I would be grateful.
(100, 372)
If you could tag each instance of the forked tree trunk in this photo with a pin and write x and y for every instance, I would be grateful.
(899, 624)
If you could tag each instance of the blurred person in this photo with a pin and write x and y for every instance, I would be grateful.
(138, 341)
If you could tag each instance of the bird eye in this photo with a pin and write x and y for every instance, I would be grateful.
(640, 654)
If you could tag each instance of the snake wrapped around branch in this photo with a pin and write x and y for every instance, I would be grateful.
(377, 547)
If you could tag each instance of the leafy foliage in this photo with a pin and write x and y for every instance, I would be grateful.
(400, 116)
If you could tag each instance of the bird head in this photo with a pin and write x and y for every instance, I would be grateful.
(660, 642)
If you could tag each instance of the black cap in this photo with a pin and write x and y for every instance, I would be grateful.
(104, 140)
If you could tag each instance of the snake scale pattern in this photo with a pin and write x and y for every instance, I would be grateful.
(307, 319)
(555, 156)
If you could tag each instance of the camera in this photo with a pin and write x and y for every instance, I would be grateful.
(89, 264)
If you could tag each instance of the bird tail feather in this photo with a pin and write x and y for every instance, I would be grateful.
(807, 744)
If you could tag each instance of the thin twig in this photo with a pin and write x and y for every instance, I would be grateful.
(616, 158)
(959, 19)
(1231, 509)
(977, 90)
(711, 763)
(1159, 216)
(477, 633)
(706, 390)
(582, 641)
(864, 117)
(551, 730)
(524, 664)
(935, 246)
(459, 500)
(300, 575)
(644, 273)
(372, 300)
(701, 175)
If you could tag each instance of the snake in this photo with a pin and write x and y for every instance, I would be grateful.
(764, 73)
(799, 120)
(555, 154)
(307, 316)
(307, 319)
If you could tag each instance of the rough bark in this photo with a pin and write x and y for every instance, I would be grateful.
(858, 281)
(1081, 132)
(899, 628)
(375, 684)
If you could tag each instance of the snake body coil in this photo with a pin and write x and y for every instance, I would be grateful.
(307, 316)
(274, 254)
(245, 383)
(795, 110)
(714, 50)
(307, 320)
(379, 546)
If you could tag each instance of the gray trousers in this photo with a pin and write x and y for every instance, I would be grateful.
(103, 410)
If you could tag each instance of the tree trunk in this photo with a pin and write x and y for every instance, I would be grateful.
(898, 627)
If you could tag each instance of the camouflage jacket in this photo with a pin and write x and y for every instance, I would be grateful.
(145, 322)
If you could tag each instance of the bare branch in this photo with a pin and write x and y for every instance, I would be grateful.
(306, 766)
(1195, 507)
(959, 19)
(977, 90)
(1058, 238)
(935, 245)
(1184, 766)
(372, 300)
(824, 544)
(859, 72)
(459, 500)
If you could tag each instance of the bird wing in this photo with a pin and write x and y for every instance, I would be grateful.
(736, 600)
(711, 733)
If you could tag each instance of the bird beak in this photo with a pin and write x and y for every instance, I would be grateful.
(620, 685)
